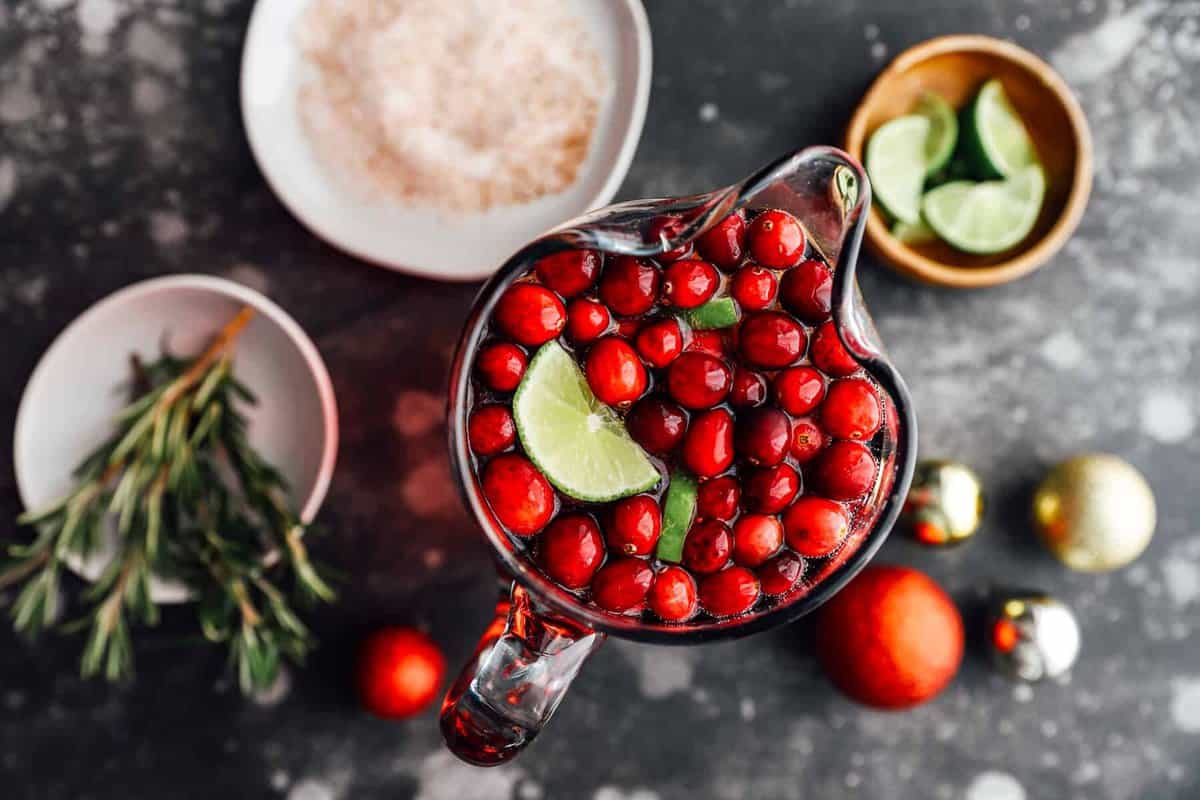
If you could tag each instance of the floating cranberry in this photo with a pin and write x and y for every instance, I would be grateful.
(519, 495)
(711, 342)
(615, 372)
(851, 410)
(571, 549)
(698, 380)
(762, 436)
(587, 320)
(690, 282)
(530, 314)
(664, 229)
(753, 287)
(707, 547)
(776, 239)
(771, 339)
(807, 440)
(629, 286)
(749, 388)
(724, 243)
(781, 573)
(799, 390)
(708, 445)
(622, 585)
(569, 272)
(501, 366)
(828, 354)
(815, 526)
(636, 524)
(769, 490)
(673, 595)
(656, 424)
(807, 291)
(660, 342)
(846, 470)
(730, 592)
(718, 498)
(756, 537)
(491, 430)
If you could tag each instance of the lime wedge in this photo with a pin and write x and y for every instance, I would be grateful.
(720, 312)
(909, 233)
(679, 509)
(986, 217)
(943, 130)
(578, 442)
(896, 165)
(996, 139)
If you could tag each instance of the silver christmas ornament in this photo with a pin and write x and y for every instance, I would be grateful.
(1032, 636)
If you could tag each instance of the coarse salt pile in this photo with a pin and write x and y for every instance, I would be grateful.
(451, 104)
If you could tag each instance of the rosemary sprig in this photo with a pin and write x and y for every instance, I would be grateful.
(187, 497)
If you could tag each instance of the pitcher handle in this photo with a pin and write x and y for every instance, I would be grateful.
(518, 675)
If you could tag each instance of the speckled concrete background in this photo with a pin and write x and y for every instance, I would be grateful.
(122, 156)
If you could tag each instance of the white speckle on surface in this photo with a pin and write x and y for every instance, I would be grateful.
(879, 51)
(441, 776)
(8, 182)
(18, 100)
(613, 793)
(709, 112)
(1185, 704)
(97, 19)
(852, 780)
(1022, 693)
(1166, 415)
(168, 228)
(416, 412)
(1089, 56)
(773, 81)
(14, 699)
(661, 671)
(1088, 772)
(277, 692)
(148, 44)
(33, 291)
(748, 709)
(50, 6)
(529, 790)
(992, 785)
(1062, 350)
(1049, 728)
(1022, 22)
(148, 95)
(250, 275)
(312, 789)
(870, 31)
(1182, 579)
(280, 780)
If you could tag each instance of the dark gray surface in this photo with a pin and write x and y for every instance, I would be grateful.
(122, 157)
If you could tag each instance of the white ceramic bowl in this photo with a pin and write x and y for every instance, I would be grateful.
(426, 242)
(75, 390)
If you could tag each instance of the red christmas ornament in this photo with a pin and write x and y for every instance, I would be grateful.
(891, 639)
(400, 671)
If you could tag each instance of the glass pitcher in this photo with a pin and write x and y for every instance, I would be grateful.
(543, 633)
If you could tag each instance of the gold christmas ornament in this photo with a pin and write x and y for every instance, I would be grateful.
(945, 504)
(1033, 636)
(1094, 512)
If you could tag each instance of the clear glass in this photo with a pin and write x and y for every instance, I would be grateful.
(542, 633)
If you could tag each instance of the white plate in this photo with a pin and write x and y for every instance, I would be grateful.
(427, 242)
(69, 402)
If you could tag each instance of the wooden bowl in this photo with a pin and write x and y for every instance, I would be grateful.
(955, 67)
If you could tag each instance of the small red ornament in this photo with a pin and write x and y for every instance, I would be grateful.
(891, 639)
(400, 672)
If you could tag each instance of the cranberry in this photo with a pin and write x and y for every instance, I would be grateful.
(711, 342)
(570, 272)
(660, 342)
(756, 537)
(656, 424)
(636, 523)
(799, 390)
(519, 495)
(629, 286)
(846, 470)
(807, 440)
(815, 526)
(690, 282)
(664, 229)
(729, 592)
(807, 291)
(718, 498)
(501, 366)
(769, 490)
(781, 573)
(708, 445)
(771, 339)
(587, 320)
(707, 546)
(851, 411)
(530, 314)
(753, 287)
(776, 239)
(673, 595)
(724, 243)
(698, 380)
(828, 354)
(491, 430)
(628, 328)
(615, 372)
(622, 585)
(749, 388)
(763, 436)
(570, 550)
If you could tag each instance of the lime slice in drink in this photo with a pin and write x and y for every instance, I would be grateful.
(578, 442)
(943, 130)
(997, 142)
(896, 165)
(679, 509)
(720, 312)
(909, 233)
(986, 217)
